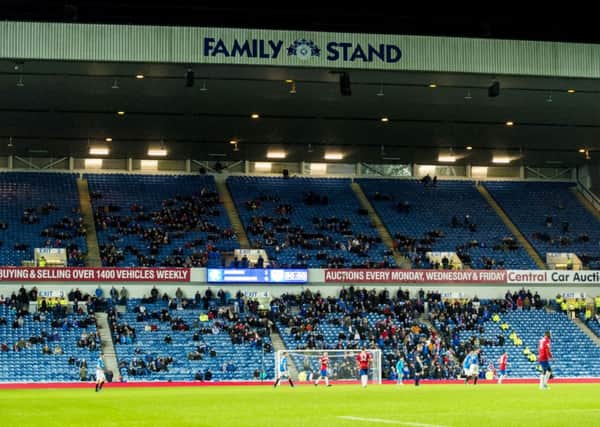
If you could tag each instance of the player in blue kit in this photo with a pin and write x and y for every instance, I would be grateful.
(400, 370)
(471, 366)
(100, 378)
(283, 371)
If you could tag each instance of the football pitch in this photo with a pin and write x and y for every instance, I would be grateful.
(340, 405)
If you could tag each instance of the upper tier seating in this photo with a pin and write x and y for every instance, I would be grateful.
(550, 217)
(420, 217)
(312, 222)
(158, 220)
(39, 210)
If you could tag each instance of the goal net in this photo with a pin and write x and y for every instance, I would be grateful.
(304, 365)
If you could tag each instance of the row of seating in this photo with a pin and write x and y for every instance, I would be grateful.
(29, 364)
(302, 221)
(411, 209)
(295, 220)
(551, 217)
(244, 358)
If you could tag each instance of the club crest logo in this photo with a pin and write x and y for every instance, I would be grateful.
(303, 49)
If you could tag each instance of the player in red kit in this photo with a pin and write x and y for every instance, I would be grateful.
(502, 363)
(324, 371)
(364, 360)
(544, 357)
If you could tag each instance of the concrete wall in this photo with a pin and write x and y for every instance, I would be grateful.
(464, 291)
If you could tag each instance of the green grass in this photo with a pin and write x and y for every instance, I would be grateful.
(435, 405)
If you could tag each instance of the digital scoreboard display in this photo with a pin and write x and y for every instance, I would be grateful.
(257, 275)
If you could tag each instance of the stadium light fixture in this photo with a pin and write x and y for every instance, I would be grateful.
(501, 160)
(446, 158)
(255, 116)
(334, 156)
(99, 151)
(276, 155)
(157, 152)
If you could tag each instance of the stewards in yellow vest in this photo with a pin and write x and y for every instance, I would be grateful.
(42, 262)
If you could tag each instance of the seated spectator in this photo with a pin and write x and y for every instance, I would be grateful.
(83, 374)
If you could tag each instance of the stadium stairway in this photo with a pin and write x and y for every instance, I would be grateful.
(401, 261)
(232, 213)
(93, 252)
(278, 344)
(108, 348)
(585, 202)
(512, 227)
(581, 325)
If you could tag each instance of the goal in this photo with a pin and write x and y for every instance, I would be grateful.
(303, 365)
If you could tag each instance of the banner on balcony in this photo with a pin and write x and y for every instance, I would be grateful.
(93, 274)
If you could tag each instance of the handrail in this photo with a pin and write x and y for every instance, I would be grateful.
(592, 198)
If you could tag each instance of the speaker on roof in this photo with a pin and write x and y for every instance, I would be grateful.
(189, 78)
(494, 89)
(345, 88)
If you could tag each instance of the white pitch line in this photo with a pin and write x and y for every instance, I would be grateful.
(383, 421)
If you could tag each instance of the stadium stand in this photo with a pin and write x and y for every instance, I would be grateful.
(307, 222)
(364, 318)
(553, 220)
(173, 339)
(447, 215)
(30, 342)
(594, 325)
(575, 354)
(159, 220)
(39, 210)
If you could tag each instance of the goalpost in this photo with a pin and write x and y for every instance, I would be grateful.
(303, 365)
